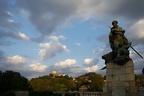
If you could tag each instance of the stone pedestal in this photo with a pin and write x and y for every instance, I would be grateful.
(120, 80)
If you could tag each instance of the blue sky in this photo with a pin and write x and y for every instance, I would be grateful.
(69, 36)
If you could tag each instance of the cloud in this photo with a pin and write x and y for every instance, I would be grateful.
(38, 67)
(23, 36)
(92, 68)
(1, 55)
(137, 60)
(127, 10)
(50, 50)
(69, 67)
(90, 62)
(76, 71)
(66, 64)
(100, 51)
(55, 38)
(78, 44)
(136, 31)
(48, 16)
(15, 60)
(8, 26)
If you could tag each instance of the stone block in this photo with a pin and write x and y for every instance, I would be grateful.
(109, 72)
(112, 78)
(133, 89)
(110, 65)
(120, 80)
(130, 70)
(109, 78)
(118, 66)
(106, 94)
(129, 63)
(132, 83)
(118, 91)
(127, 77)
(132, 94)
(115, 77)
(106, 87)
(120, 84)
(118, 71)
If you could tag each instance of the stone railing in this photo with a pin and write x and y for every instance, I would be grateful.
(22, 93)
(90, 93)
(81, 93)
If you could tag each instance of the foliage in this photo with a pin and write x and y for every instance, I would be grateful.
(65, 83)
(139, 80)
(10, 80)
(93, 80)
(52, 84)
(60, 87)
(8, 93)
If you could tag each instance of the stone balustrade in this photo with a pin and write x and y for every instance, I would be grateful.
(81, 93)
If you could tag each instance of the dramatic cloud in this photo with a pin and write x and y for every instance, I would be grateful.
(90, 62)
(47, 17)
(7, 25)
(49, 50)
(137, 32)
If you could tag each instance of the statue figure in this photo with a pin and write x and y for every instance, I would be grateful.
(116, 37)
(119, 45)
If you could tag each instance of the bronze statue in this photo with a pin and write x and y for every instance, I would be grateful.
(119, 45)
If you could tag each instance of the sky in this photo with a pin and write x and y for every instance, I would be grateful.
(69, 36)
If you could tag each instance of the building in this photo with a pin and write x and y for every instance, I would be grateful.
(54, 74)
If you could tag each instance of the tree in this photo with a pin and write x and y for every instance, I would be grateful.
(139, 80)
(66, 83)
(95, 81)
(60, 87)
(13, 81)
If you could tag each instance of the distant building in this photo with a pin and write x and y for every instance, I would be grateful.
(83, 88)
(54, 74)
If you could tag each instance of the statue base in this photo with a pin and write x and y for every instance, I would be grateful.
(120, 80)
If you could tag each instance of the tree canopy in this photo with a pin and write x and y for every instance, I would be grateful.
(10, 80)
(65, 83)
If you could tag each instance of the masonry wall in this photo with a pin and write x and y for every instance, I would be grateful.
(120, 80)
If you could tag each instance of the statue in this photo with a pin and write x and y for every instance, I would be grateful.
(119, 45)
(120, 81)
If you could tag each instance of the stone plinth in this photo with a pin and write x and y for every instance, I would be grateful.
(120, 80)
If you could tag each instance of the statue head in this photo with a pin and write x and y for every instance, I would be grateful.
(115, 23)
